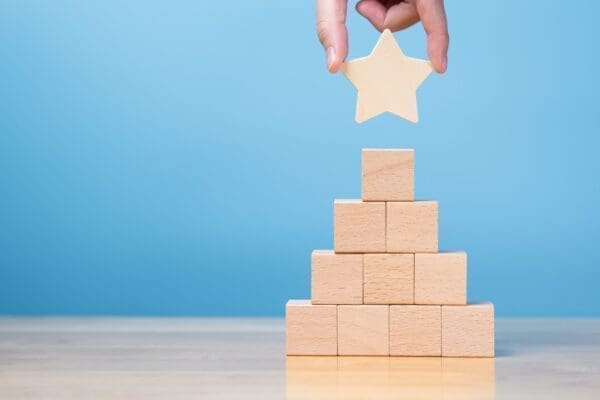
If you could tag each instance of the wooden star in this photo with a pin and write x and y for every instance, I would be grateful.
(387, 80)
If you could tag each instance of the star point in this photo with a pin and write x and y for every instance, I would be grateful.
(387, 80)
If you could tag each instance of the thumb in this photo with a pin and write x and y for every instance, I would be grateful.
(331, 29)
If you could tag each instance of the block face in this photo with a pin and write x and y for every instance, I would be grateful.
(359, 227)
(389, 278)
(441, 278)
(363, 330)
(415, 330)
(336, 278)
(412, 227)
(468, 331)
(310, 329)
(388, 174)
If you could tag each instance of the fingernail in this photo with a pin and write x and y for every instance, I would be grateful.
(444, 64)
(330, 54)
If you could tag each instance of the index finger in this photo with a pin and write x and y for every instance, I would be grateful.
(331, 29)
(433, 18)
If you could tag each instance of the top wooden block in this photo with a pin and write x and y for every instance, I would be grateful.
(388, 174)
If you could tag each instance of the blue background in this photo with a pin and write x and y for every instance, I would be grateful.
(182, 157)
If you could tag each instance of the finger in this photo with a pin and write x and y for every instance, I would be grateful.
(331, 29)
(401, 16)
(373, 11)
(433, 17)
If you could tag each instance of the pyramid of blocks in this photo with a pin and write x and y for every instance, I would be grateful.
(385, 289)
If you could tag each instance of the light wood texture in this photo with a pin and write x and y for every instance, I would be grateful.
(388, 175)
(311, 377)
(390, 378)
(359, 227)
(468, 331)
(415, 330)
(412, 227)
(387, 80)
(310, 329)
(441, 278)
(389, 278)
(244, 358)
(363, 330)
(336, 278)
(350, 367)
(475, 376)
(363, 377)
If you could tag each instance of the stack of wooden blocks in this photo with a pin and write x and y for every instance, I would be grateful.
(385, 289)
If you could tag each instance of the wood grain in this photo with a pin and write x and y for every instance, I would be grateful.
(93, 358)
(441, 278)
(388, 174)
(310, 329)
(415, 330)
(336, 278)
(363, 330)
(387, 80)
(468, 331)
(359, 227)
(412, 227)
(389, 278)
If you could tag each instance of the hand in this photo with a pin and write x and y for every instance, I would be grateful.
(391, 14)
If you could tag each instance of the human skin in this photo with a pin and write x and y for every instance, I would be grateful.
(383, 14)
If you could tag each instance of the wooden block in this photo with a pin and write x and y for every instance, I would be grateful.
(310, 329)
(415, 330)
(336, 278)
(412, 227)
(468, 331)
(388, 175)
(363, 330)
(389, 278)
(359, 227)
(441, 278)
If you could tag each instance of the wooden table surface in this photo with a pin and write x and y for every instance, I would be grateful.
(197, 358)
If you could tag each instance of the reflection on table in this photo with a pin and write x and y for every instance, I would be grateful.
(312, 378)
